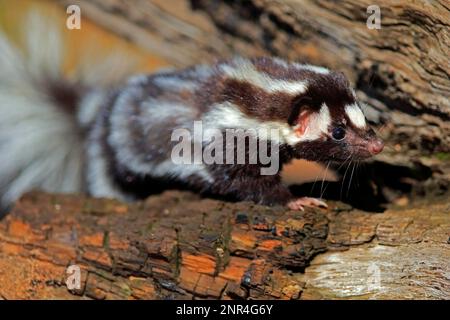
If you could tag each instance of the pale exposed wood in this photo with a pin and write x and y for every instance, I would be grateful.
(400, 254)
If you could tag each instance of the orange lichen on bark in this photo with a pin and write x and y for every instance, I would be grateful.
(200, 263)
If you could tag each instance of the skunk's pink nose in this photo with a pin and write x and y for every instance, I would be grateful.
(376, 146)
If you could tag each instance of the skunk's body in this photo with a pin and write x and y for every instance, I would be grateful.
(70, 135)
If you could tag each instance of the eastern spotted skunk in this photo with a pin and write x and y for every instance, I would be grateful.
(71, 134)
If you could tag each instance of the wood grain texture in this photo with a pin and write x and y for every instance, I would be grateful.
(177, 245)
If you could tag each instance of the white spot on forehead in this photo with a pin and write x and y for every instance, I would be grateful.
(244, 70)
(355, 115)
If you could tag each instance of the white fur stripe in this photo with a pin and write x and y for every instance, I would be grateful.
(245, 71)
(172, 82)
(89, 107)
(312, 68)
(318, 123)
(98, 176)
(228, 115)
(120, 138)
(355, 115)
(309, 67)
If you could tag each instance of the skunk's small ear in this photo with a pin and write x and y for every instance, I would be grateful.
(302, 122)
(299, 104)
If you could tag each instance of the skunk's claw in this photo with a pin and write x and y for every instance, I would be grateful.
(301, 203)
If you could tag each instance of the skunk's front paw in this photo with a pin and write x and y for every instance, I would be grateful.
(301, 203)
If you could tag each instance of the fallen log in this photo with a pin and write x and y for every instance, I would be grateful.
(177, 245)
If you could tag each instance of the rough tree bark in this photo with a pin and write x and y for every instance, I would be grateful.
(179, 246)
(176, 245)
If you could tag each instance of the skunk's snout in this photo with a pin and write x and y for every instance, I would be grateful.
(376, 146)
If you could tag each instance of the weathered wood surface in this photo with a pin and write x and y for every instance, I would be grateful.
(176, 245)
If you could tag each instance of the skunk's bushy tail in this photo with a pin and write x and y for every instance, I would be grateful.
(41, 142)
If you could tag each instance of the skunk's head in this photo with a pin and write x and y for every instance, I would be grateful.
(329, 122)
(315, 109)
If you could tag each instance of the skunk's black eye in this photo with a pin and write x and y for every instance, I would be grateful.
(338, 133)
